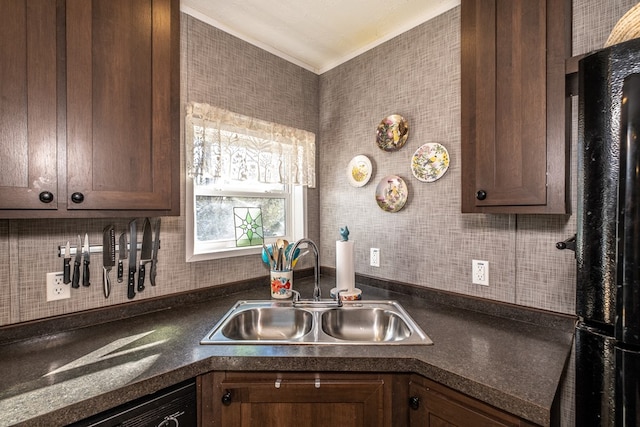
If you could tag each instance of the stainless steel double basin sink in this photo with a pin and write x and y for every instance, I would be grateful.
(358, 322)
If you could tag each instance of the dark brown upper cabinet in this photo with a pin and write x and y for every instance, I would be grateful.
(515, 111)
(28, 105)
(106, 131)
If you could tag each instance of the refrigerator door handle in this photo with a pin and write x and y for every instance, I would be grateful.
(628, 271)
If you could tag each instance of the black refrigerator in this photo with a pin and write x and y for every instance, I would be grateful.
(608, 238)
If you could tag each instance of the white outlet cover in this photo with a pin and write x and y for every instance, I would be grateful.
(374, 258)
(480, 272)
(56, 290)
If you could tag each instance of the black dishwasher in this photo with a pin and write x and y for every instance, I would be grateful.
(171, 407)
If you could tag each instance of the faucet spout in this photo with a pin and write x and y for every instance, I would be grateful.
(316, 269)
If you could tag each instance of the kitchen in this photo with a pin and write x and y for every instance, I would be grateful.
(420, 79)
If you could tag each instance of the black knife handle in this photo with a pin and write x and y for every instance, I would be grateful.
(120, 271)
(76, 275)
(131, 285)
(85, 273)
(66, 271)
(141, 277)
(106, 281)
(153, 272)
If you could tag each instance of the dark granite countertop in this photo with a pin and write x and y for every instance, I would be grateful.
(59, 376)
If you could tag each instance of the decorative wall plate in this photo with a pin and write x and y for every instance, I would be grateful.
(391, 193)
(430, 162)
(392, 132)
(359, 171)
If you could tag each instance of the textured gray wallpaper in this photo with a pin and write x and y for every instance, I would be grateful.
(429, 242)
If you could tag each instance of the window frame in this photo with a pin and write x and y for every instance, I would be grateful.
(296, 219)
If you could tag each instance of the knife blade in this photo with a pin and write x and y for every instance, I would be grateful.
(133, 250)
(85, 262)
(145, 252)
(154, 258)
(108, 257)
(66, 265)
(75, 282)
(122, 254)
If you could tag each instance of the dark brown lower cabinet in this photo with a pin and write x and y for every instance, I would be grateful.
(293, 399)
(434, 405)
(275, 399)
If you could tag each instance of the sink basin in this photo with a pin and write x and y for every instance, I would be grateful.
(268, 323)
(365, 324)
(278, 322)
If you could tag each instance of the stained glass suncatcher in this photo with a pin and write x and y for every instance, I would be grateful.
(248, 224)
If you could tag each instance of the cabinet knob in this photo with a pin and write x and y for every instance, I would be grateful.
(481, 195)
(226, 398)
(414, 402)
(77, 197)
(46, 197)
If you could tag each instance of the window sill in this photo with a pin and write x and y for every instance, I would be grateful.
(225, 253)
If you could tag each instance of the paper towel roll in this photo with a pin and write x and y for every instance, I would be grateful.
(345, 266)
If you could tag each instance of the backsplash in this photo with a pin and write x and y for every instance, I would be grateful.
(428, 243)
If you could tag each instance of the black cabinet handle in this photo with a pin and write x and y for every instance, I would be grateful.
(77, 197)
(46, 197)
(226, 398)
(481, 195)
(414, 402)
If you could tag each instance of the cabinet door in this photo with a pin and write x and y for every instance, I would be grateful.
(28, 100)
(433, 405)
(281, 400)
(122, 86)
(514, 108)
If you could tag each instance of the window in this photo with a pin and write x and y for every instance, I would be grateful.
(236, 162)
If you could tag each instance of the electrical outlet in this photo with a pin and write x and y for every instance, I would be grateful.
(374, 258)
(480, 272)
(55, 288)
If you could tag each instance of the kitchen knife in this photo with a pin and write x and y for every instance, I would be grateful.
(145, 252)
(66, 265)
(85, 262)
(133, 250)
(75, 282)
(108, 257)
(122, 254)
(154, 258)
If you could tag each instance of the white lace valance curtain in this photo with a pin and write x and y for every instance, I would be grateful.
(222, 145)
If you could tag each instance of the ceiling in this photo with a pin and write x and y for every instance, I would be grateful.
(316, 34)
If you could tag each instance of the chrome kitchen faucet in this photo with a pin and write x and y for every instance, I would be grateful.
(316, 279)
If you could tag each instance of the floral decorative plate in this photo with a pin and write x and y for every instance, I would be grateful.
(392, 132)
(391, 193)
(359, 171)
(430, 162)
